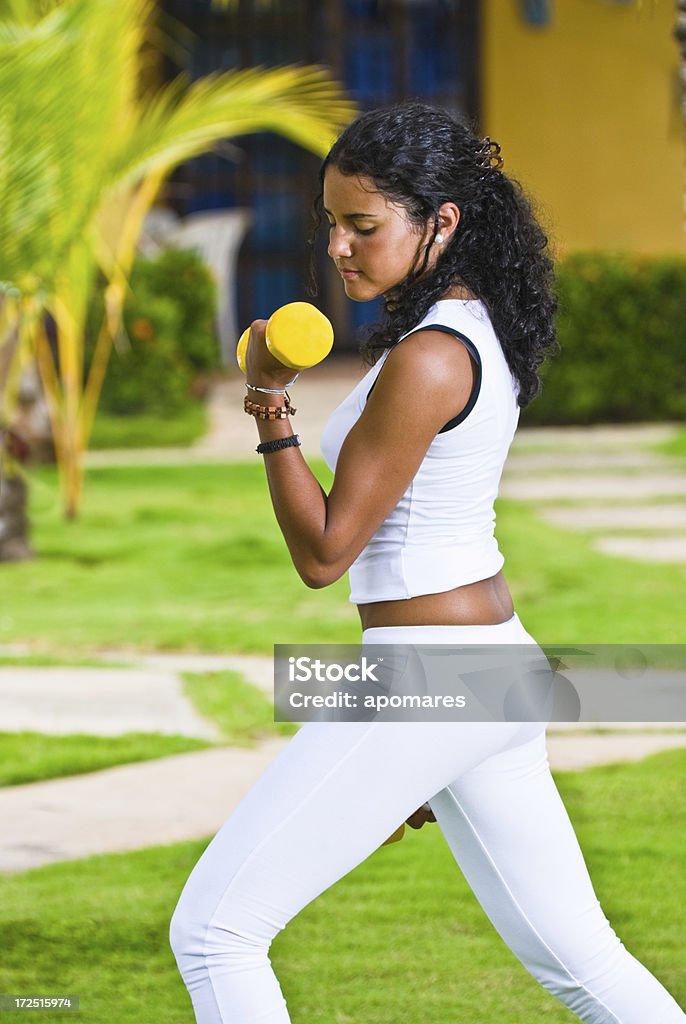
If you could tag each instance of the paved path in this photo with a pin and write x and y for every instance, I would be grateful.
(128, 807)
(98, 702)
(112, 701)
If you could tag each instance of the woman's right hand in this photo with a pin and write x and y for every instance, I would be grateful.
(262, 369)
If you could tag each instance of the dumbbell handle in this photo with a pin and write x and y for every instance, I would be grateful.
(297, 335)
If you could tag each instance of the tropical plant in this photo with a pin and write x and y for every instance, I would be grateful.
(84, 151)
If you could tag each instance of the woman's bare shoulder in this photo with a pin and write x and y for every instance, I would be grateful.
(428, 365)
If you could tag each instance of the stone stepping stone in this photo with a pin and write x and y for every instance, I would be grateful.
(536, 462)
(618, 517)
(568, 753)
(98, 702)
(624, 436)
(257, 669)
(644, 549)
(584, 488)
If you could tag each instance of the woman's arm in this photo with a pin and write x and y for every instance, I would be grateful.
(424, 383)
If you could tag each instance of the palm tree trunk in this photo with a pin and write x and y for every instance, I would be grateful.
(14, 525)
(28, 432)
(14, 522)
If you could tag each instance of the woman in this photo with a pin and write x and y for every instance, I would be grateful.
(419, 212)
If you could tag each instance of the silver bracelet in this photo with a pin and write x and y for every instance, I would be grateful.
(272, 391)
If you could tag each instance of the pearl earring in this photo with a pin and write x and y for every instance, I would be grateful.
(439, 239)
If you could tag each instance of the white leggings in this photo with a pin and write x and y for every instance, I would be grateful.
(339, 789)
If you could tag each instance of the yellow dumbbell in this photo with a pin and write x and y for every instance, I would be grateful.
(298, 335)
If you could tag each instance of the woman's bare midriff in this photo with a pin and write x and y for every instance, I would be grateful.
(484, 603)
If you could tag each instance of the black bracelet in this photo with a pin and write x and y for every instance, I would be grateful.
(274, 446)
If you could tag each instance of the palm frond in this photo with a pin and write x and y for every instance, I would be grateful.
(304, 104)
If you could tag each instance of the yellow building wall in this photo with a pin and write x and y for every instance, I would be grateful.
(587, 112)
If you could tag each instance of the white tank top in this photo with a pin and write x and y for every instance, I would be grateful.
(440, 535)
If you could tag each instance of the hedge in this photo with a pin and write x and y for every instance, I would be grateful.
(621, 328)
(169, 337)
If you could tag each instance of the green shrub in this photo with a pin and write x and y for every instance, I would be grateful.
(151, 374)
(181, 275)
(168, 340)
(623, 344)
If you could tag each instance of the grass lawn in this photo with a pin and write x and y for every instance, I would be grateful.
(400, 936)
(32, 756)
(150, 431)
(53, 661)
(243, 714)
(190, 558)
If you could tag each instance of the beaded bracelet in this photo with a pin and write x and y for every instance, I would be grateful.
(268, 412)
(281, 442)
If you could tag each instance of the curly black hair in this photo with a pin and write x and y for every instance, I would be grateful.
(421, 157)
